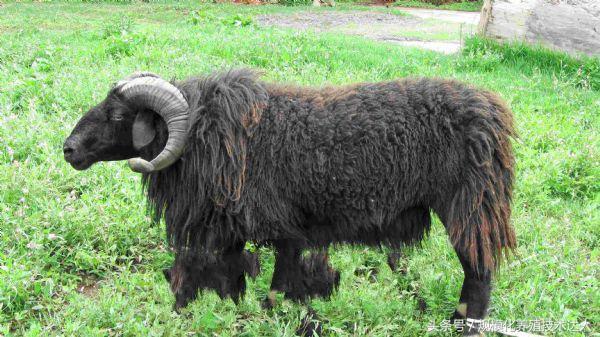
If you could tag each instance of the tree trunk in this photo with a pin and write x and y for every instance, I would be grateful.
(569, 25)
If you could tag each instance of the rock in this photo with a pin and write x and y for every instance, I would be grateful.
(568, 25)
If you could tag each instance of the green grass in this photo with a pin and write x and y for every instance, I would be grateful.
(79, 257)
(467, 6)
(583, 71)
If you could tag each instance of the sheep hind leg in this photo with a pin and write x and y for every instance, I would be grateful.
(474, 298)
(298, 277)
(287, 256)
(475, 293)
(317, 278)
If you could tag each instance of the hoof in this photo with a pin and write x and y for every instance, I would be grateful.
(316, 279)
(269, 302)
(460, 313)
(471, 328)
(468, 326)
(310, 325)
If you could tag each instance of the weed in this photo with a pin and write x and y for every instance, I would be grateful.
(60, 228)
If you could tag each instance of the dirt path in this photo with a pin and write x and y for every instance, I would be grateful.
(451, 16)
(436, 30)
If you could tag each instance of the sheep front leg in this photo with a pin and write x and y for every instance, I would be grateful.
(222, 272)
(300, 277)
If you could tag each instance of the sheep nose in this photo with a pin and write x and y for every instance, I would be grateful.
(68, 151)
(68, 148)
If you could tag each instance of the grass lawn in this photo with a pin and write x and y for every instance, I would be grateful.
(467, 6)
(79, 257)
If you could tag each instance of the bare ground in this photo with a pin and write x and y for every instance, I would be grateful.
(437, 30)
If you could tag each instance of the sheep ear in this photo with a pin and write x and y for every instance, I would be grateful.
(143, 129)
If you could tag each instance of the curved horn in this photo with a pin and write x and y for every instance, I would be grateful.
(135, 75)
(165, 99)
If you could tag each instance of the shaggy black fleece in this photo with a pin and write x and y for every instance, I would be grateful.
(301, 168)
(188, 276)
(362, 164)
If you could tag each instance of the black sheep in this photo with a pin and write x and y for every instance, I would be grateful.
(237, 159)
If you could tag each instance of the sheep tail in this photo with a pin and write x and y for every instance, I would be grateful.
(479, 216)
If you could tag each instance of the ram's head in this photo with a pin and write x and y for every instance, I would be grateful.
(125, 122)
